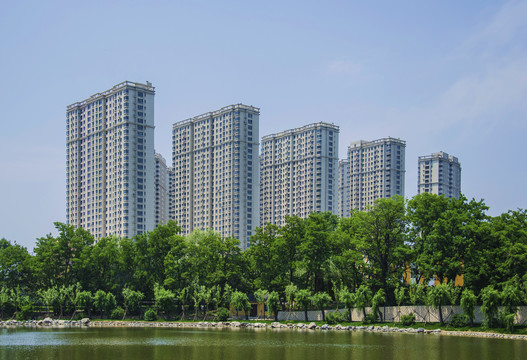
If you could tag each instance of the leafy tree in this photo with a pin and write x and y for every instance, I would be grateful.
(382, 239)
(417, 294)
(437, 297)
(273, 303)
(399, 298)
(315, 249)
(468, 304)
(490, 301)
(290, 291)
(16, 266)
(378, 299)
(303, 299)
(63, 260)
(348, 299)
(240, 301)
(99, 301)
(132, 301)
(260, 295)
(48, 297)
(85, 301)
(164, 300)
(321, 300)
(363, 299)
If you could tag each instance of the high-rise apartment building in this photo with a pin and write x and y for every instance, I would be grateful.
(343, 189)
(216, 178)
(171, 193)
(162, 190)
(299, 172)
(110, 161)
(376, 170)
(439, 174)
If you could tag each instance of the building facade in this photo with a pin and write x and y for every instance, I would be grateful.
(171, 193)
(162, 190)
(216, 178)
(110, 161)
(376, 169)
(343, 189)
(439, 174)
(299, 172)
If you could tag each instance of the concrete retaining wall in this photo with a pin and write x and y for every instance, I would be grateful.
(393, 314)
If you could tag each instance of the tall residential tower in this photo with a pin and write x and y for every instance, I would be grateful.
(110, 161)
(162, 190)
(376, 170)
(299, 172)
(439, 174)
(216, 179)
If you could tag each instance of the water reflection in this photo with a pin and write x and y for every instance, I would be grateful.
(141, 343)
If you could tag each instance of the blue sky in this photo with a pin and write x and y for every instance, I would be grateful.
(444, 76)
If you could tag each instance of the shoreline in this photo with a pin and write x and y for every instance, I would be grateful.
(85, 323)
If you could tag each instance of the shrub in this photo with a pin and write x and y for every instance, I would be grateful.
(334, 318)
(25, 313)
(150, 315)
(370, 319)
(117, 313)
(506, 319)
(459, 320)
(223, 314)
(408, 320)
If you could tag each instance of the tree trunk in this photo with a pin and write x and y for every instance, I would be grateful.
(349, 309)
(305, 313)
(323, 315)
(440, 314)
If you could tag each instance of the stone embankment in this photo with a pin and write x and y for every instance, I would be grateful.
(48, 322)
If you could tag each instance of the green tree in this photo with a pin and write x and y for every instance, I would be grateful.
(164, 300)
(490, 301)
(315, 249)
(382, 239)
(260, 296)
(48, 297)
(99, 301)
(399, 298)
(348, 299)
(303, 299)
(363, 299)
(239, 302)
(273, 303)
(468, 304)
(321, 300)
(132, 301)
(378, 299)
(437, 297)
(85, 301)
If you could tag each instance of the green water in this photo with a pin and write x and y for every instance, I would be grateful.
(233, 344)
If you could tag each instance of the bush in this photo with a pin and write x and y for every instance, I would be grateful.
(223, 314)
(117, 313)
(370, 319)
(459, 320)
(408, 320)
(334, 318)
(506, 319)
(25, 313)
(150, 315)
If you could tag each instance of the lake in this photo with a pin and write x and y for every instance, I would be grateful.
(234, 344)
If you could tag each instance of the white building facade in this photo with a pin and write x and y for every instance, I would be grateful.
(299, 172)
(110, 161)
(162, 190)
(343, 189)
(376, 169)
(216, 172)
(439, 174)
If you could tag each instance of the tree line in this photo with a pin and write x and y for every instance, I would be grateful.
(392, 251)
